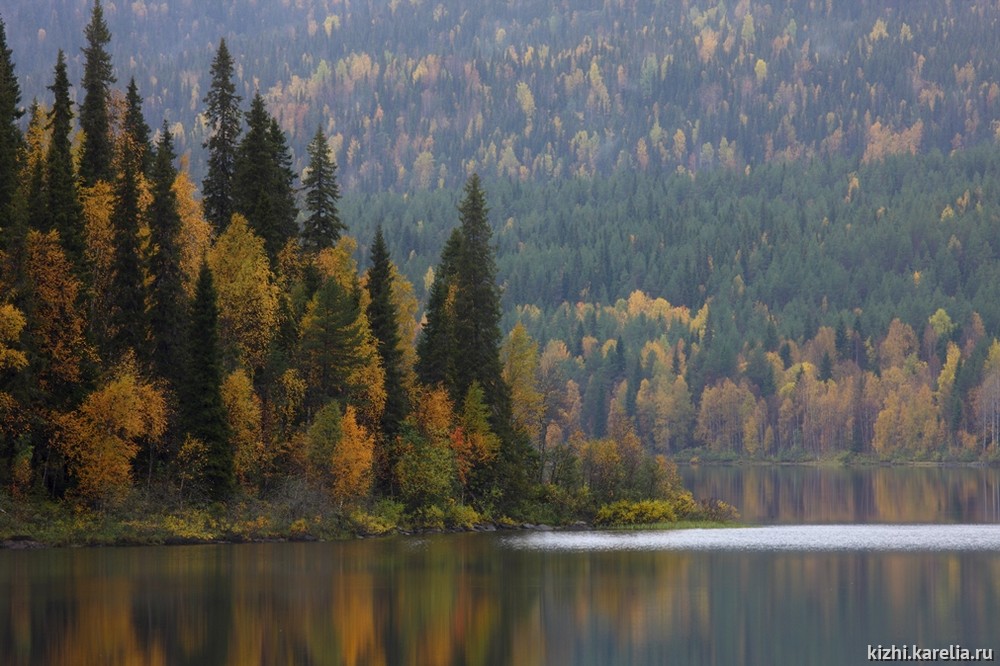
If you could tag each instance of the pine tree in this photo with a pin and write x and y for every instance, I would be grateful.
(203, 411)
(11, 140)
(166, 299)
(382, 318)
(64, 213)
(323, 226)
(262, 184)
(95, 162)
(223, 117)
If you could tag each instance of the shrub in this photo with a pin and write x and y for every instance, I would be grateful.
(643, 512)
(717, 511)
(461, 515)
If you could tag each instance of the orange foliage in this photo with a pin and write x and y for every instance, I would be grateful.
(56, 324)
(101, 438)
(351, 462)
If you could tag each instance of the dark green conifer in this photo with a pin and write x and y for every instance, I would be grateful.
(477, 304)
(204, 414)
(262, 184)
(128, 314)
(11, 140)
(330, 341)
(382, 318)
(323, 226)
(167, 317)
(136, 129)
(95, 162)
(222, 113)
(436, 347)
(64, 212)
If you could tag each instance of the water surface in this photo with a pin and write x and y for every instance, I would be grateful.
(780, 593)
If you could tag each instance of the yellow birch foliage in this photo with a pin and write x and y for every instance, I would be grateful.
(12, 420)
(243, 413)
(11, 325)
(351, 462)
(406, 305)
(101, 438)
(56, 325)
(519, 356)
(338, 262)
(472, 442)
(99, 238)
(247, 295)
(196, 233)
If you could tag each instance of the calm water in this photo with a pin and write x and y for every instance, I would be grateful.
(784, 593)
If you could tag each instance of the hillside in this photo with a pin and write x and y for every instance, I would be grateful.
(417, 94)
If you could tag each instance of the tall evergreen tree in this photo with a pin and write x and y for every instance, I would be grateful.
(36, 197)
(223, 115)
(95, 162)
(167, 318)
(262, 183)
(436, 347)
(128, 330)
(11, 140)
(64, 212)
(477, 304)
(331, 338)
(136, 130)
(382, 318)
(323, 225)
(204, 414)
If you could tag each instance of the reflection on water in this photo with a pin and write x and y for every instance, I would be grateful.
(478, 599)
(490, 599)
(806, 494)
(884, 538)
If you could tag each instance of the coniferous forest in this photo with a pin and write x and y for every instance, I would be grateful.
(511, 276)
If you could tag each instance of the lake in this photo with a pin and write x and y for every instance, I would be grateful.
(843, 559)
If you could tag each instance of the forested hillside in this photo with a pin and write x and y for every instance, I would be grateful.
(418, 94)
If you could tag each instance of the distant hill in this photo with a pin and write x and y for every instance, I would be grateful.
(416, 94)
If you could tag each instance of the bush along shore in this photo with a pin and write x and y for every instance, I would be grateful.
(37, 523)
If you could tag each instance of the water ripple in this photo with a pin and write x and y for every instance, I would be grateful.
(774, 538)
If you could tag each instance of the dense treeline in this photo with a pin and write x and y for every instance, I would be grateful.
(418, 94)
(766, 289)
(216, 350)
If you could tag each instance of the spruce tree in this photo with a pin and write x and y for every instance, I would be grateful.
(11, 140)
(223, 115)
(262, 182)
(204, 414)
(436, 347)
(382, 318)
(136, 130)
(167, 317)
(331, 338)
(285, 212)
(95, 162)
(64, 212)
(477, 304)
(323, 226)
(128, 330)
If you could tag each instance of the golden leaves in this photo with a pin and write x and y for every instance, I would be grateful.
(101, 438)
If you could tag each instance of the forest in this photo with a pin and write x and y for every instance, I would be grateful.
(226, 349)
(202, 318)
(418, 94)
